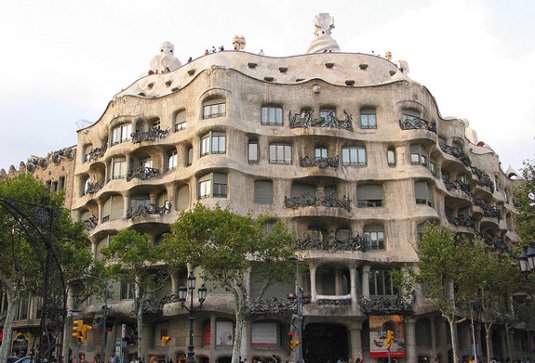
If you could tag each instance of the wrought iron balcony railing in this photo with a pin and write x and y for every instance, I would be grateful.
(151, 135)
(457, 152)
(93, 187)
(387, 304)
(484, 178)
(95, 153)
(417, 123)
(309, 200)
(143, 173)
(495, 241)
(321, 163)
(332, 243)
(461, 221)
(90, 223)
(143, 210)
(304, 120)
(273, 307)
(457, 185)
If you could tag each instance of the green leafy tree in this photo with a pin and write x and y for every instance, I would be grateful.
(227, 246)
(524, 198)
(129, 258)
(22, 241)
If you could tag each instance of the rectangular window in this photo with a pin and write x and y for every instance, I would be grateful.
(320, 153)
(381, 283)
(368, 120)
(280, 154)
(422, 193)
(354, 155)
(433, 167)
(418, 155)
(172, 158)
(118, 168)
(272, 116)
(213, 185)
(205, 145)
(180, 126)
(219, 143)
(121, 133)
(252, 151)
(127, 290)
(205, 190)
(375, 240)
(214, 110)
(391, 157)
(189, 159)
(263, 192)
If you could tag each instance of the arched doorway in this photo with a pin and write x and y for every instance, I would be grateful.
(324, 343)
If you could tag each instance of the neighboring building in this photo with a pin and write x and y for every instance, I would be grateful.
(343, 147)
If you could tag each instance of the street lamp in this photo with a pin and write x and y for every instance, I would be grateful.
(527, 260)
(300, 296)
(182, 295)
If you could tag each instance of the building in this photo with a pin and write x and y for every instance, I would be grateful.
(343, 147)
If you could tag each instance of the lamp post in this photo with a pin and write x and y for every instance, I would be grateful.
(299, 297)
(182, 295)
(527, 260)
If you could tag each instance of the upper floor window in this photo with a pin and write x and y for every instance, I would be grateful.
(374, 237)
(370, 195)
(280, 154)
(214, 108)
(391, 157)
(381, 282)
(118, 170)
(180, 120)
(121, 133)
(172, 158)
(272, 116)
(213, 185)
(368, 119)
(214, 143)
(422, 193)
(320, 152)
(433, 167)
(252, 151)
(354, 155)
(410, 115)
(189, 155)
(127, 290)
(418, 155)
(263, 192)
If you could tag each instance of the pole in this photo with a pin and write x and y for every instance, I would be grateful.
(191, 353)
(300, 324)
(166, 353)
(473, 334)
(104, 318)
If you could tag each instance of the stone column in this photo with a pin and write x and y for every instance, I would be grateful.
(174, 282)
(366, 281)
(353, 284)
(410, 339)
(99, 205)
(355, 341)
(126, 205)
(213, 338)
(313, 293)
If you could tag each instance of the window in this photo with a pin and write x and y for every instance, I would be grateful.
(172, 157)
(368, 120)
(263, 192)
(391, 157)
(354, 155)
(327, 114)
(374, 237)
(214, 108)
(213, 185)
(121, 133)
(422, 193)
(433, 167)
(213, 143)
(189, 159)
(320, 152)
(180, 120)
(370, 195)
(146, 163)
(462, 178)
(118, 168)
(87, 183)
(127, 290)
(380, 282)
(272, 116)
(280, 154)
(252, 151)
(418, 155)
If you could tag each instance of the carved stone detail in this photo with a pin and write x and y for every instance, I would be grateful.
(457, 152)
(417, 123)
(143, 210)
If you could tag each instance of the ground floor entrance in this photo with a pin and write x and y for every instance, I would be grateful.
(325, 343)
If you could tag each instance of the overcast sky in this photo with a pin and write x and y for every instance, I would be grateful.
(62, 61)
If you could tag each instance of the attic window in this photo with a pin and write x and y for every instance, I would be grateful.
(350, 82)
(299, 79)
(252, 65)
(392, 73)
(269, 79)
(191, 72)
(150, 85)
(174, 89)
(141, 94)
(283, 69)
(168, 83)
(329, 65)
(363, 66)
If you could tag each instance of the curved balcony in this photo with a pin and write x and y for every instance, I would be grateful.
(95, 154)
(309, 200)
(457, 152)
(322, 163)
(305, 120)
(457, 185)
(331, 243)
(461, 221)
(484, 178)
(90, 223)
(143, 173)
(416, 123)
(151, 135)
(492, 240)
(144, 210)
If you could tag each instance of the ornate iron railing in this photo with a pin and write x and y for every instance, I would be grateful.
(151, 135)
(90, 223)
(154, 306)
(321, 163)
(457, 152)
(143, 210)
(335, 302)
(143, 173)
(484, 178)
(92, 188)
(417, 123)
(492, 240)
(492, 212)
(332, 243)
(304, 120)
(95, 153)
(461, 221)
(274, 307)
(457, 185)
(383, 305)
(309, 200)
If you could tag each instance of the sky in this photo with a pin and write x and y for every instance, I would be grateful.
(62, 61)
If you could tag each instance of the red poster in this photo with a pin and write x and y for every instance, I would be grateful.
(380, 325)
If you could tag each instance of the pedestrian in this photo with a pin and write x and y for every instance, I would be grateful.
(206, 52)
(275, 360)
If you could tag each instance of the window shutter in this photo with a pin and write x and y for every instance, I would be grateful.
(263, 192)
(183, 198)
(300, 189)
(117, 207)
(420, 190)
(370, 192)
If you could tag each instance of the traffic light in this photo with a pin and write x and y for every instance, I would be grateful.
(77, 327)
(165, 340)
(389, 338)
(85, 328)
(292, 344)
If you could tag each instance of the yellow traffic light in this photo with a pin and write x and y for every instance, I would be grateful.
(165, 340)
(85, 328)
(292, 344)
(77, 327)
(389, 339)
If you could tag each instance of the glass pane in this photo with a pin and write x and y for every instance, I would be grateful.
(280, 153)
(345, 156)
(288, 154)
(353, 155)
(279, 116)
(253, 151)
(362, 155)
(272, 153)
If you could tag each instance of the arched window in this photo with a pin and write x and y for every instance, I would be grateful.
(213, 108)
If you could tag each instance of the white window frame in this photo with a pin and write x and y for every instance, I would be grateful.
(172, 159)
(121, 133)
(280, 154)
(272, 116)
(213, 110)
(354, 152)
(368, 119)
(118, 168)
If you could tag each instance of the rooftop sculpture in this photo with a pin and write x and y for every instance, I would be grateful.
(323, 43)
(165, 61)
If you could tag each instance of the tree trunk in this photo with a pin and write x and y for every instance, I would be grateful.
(140, 341)
(453, 335)
(488, 327)
(13, 300)
(508, 341)
(240, 319)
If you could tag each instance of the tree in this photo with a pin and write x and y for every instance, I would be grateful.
(524, 219)
(227, 246)
(24, 238)
(128, 259)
